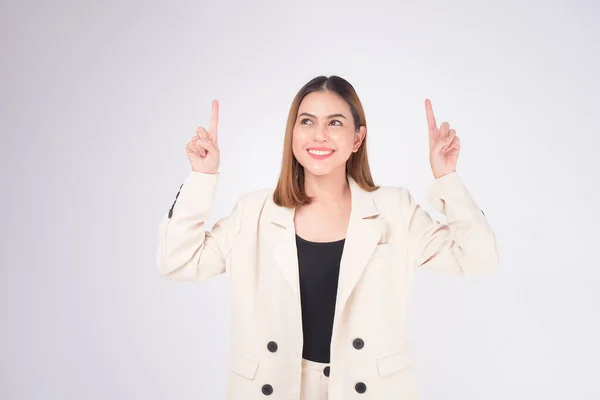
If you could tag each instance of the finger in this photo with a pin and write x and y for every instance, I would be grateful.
(452, 133)
(199, 148)
(202, 133)
(444, 129)
(452, 145)
(207, 145)
(456, 143)
(214, 121)
(433, 131)
(442, 144)
(192, 149)
(455, 149)
(456, 146)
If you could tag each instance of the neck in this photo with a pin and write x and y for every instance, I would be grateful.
(330, 188)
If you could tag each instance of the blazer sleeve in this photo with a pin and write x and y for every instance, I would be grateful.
(464, 246)
(187, 251)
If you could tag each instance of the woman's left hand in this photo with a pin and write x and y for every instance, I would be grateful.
(444, 145)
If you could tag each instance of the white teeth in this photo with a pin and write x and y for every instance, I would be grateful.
(320, 152)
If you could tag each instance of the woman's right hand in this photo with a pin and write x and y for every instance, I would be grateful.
(203, 149)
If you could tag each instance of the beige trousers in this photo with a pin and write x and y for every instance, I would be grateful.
(315, 380)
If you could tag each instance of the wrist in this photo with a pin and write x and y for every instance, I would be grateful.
(438, 175)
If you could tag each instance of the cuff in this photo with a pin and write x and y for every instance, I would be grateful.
(444, 188)
(197, 192)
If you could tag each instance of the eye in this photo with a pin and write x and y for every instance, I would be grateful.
(303, 120)
(335, 120)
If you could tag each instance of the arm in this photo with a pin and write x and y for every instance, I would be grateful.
(465, 246)
(187, 251)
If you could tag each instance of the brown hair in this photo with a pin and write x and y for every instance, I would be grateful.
(289, 191)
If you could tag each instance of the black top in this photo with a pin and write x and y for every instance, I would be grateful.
(319, 268)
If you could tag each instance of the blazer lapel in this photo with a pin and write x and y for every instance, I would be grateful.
(362, 236)
(281, 235)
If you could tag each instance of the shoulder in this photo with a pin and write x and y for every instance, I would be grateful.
(394, 202)
(255, 198)
(392, 195)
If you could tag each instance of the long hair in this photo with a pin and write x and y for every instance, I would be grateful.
(289, 191)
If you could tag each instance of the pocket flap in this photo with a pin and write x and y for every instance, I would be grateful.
(395, 361)
(244, 366)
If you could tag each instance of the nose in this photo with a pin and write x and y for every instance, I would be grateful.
(321, 134)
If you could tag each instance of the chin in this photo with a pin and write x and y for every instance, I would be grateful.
(317, 172)
(320, 170)
(320, 167)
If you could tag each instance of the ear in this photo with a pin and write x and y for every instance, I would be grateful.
(359, 137)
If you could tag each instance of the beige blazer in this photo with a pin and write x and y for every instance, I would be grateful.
(389, 236)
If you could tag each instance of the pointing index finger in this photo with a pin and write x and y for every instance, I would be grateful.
(214, 121)
(430, 119)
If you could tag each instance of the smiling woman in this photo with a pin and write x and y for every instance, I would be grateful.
(327, 123)
(321, 267)
(300, 133)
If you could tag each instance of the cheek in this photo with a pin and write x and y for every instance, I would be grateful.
(296, 138)
(299, 140)
(342, 140)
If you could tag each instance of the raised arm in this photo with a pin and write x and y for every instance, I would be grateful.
(186, 249)
(466, 244)
(463, 246)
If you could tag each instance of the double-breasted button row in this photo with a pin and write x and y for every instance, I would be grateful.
(358, 344)
(267, 389)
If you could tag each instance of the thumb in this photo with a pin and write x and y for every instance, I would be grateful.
(442, 143)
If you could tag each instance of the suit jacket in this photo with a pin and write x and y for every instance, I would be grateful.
(389, 237)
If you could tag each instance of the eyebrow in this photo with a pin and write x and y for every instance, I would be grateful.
(329, 116)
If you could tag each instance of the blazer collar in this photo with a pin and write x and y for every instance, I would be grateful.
(364, 232)
(363, 206)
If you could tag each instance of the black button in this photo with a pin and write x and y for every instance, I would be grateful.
(358, 343)
(326, 371)
(267, 390)
(272, 346)
(360, 387)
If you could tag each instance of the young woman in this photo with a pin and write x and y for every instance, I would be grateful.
(320, 268)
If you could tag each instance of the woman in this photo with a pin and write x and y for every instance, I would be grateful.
(321, 267)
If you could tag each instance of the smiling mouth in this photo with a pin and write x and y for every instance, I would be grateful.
(320, 153)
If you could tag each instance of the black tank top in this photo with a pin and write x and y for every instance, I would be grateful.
(319, 268)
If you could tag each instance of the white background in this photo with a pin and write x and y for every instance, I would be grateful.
(98, 100)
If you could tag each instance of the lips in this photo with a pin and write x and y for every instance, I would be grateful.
(320, 153)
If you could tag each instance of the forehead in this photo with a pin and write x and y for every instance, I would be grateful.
(323, 103)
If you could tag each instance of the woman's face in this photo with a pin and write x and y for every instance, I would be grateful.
(324, 137)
